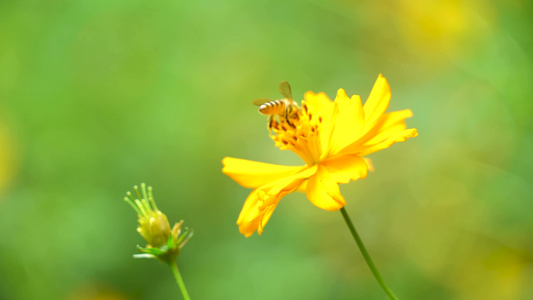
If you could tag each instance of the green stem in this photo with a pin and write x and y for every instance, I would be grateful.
(179, 280)
(367, 256)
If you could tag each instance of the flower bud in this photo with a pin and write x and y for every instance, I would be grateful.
(164, 243)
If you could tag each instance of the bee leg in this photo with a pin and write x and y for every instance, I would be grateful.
(289, 122)
(271, 123)
(287, 117)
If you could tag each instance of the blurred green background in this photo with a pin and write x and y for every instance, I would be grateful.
(96, 96)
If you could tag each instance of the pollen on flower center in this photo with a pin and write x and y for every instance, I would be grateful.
(300, 134)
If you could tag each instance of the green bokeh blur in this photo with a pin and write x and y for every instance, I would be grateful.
(96, 96)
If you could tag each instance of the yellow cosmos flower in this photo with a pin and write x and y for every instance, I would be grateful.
(332, 138)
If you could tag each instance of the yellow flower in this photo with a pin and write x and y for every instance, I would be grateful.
(332, 137)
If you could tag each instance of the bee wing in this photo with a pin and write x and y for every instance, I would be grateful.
(260, 101)
(285, 89)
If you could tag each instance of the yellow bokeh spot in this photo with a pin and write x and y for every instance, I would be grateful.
(445, 25)
(7, 158)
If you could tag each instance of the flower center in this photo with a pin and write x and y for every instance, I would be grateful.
(298, 131)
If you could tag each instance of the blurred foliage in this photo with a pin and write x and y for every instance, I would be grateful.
(96, 96)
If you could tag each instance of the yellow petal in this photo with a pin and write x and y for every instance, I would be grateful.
(261, 203)
(319, 105)
(388, 125)
(253, 174)
(398, 137)
(302, 186)
(377, 102)
(345, 168)
(250, 215)
(369, 164)
(348, 119)
(323, 191)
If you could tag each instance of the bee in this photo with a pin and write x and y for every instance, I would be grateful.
(285, 109)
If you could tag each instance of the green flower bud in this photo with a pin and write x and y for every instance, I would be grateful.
(164, 243)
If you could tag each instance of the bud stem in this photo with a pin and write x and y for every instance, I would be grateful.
(179, 280)
(368, 260)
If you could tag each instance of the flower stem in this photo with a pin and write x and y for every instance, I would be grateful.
(367, 256)
(179, 280)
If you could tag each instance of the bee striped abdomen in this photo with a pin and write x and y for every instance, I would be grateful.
(276, 107)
